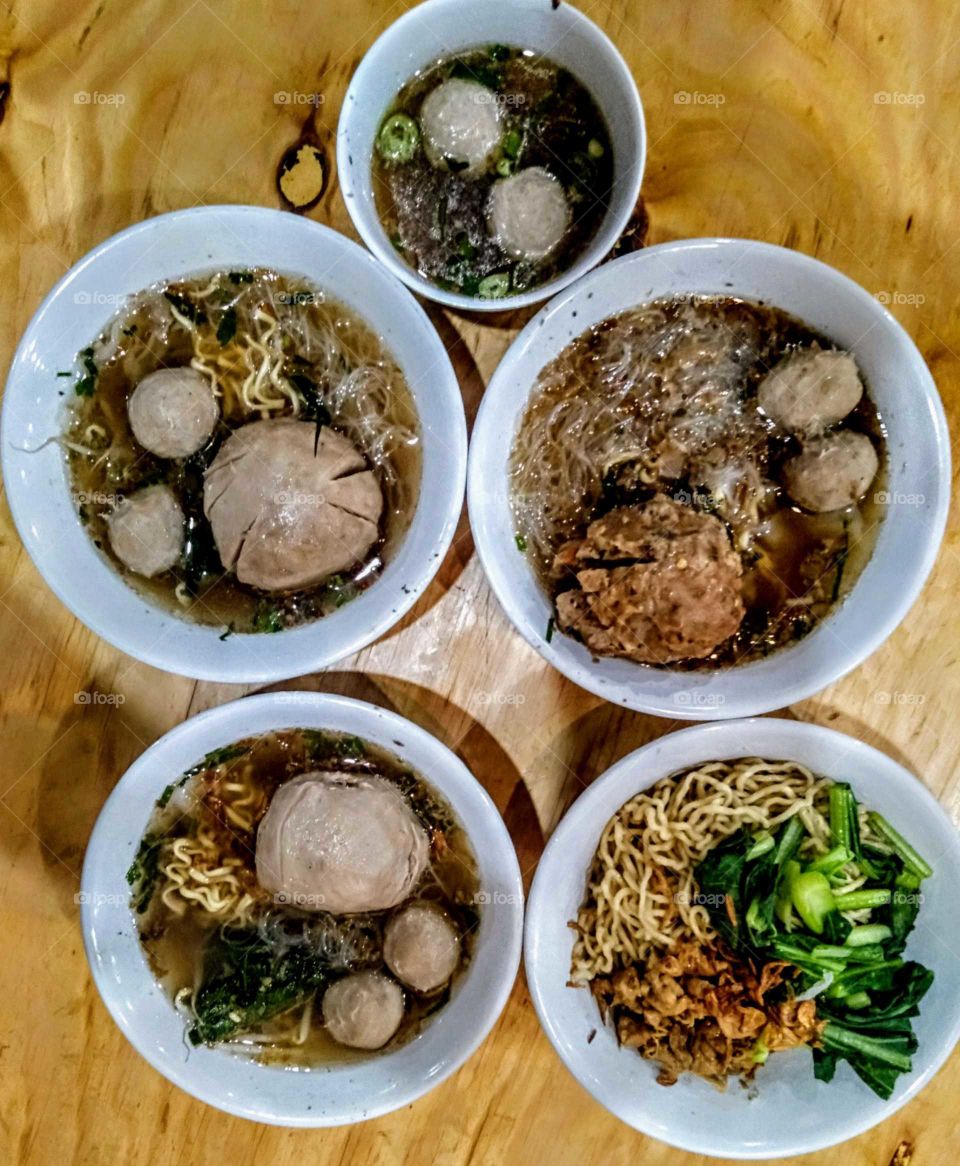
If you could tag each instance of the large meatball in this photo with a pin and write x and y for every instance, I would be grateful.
(288, 507)
(421, 947)
(173, 412)
(340, 842)
(529, 213)
(461, 124)
(831, 472)
(364, 1010)
(656, 583)
(811, 390)
(146, 530)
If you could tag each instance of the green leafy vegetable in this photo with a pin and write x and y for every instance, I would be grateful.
(227, 328)
(246, 982)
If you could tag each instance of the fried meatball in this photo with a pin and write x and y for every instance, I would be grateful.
(461, 124)
(831, 472)
(529, 213)
(146, 530)
(173, 412)
(655, 583)
(288, 507)
(364, 1010)
(341, 843)
(811, 390)
(421, 947)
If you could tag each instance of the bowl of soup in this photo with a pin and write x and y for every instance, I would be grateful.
(491, 154)
(710, 479)
(214, 435)
(302, 909)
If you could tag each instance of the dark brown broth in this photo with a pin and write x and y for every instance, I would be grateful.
(437, 219)
(804, 565)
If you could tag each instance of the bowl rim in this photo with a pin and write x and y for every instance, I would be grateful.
(488, 435)
(107, 836)
(627, 777)
(307, 655)
(606, 235)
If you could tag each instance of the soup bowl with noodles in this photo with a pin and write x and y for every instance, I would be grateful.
(214, 435)
(760, 902)
(709, 479)
(272, 975)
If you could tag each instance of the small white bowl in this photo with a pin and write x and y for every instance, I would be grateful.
(335, 1094)
(440, 28)
(918, 485)
(791, 1112)
(37, 477)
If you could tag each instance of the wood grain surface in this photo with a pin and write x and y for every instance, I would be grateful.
(825, 126)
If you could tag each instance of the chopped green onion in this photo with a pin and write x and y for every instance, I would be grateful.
(494, 287)
(398, 139)
(595, 149)
(520, 541)
(511, 144)
(504, 167)
(900, 845)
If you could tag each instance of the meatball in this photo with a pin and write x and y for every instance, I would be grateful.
(656, 583)
(421, 947)
(811, 390)
(529, 213)
(341, 843)
(146, 530)
(173, 412)
(831, 472)
(289, 507)
(461, 124)
(364, 1010)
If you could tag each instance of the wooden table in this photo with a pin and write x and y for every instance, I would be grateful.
(827, 127)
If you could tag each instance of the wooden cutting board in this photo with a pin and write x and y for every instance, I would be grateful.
(827, 127)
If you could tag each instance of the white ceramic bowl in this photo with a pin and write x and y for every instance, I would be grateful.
(439, 28)
(791, 1113)
(918, 480)
(335, 1094)
(38, 486)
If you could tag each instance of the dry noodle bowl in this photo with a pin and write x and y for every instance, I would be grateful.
(641, 894)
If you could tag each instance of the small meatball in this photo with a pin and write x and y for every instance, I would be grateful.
(811, 390)
(832, 472)
(288, 507)
(461, 124)
(529, 213)
(173, 412)
(364, 1010)
(341, 843)
(146, 530)
(421, 947)
(656, 583)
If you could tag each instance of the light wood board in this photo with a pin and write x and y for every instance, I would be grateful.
(796, 149)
